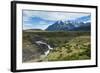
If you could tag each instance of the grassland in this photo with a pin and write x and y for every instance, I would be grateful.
(71, 45)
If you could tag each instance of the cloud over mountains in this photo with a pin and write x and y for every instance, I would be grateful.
(43, 19)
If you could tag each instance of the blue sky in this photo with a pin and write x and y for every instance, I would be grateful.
(42, 19)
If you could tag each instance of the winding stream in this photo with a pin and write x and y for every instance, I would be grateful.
(43, 43)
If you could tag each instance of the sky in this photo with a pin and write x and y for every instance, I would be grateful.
(42, 19)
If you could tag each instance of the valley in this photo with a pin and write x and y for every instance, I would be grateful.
(67, 45)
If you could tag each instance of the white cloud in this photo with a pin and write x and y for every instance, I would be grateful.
(54, 16)
(30, 26)
(47, 15)
(42, 23)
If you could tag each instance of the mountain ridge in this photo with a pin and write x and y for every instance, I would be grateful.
(71, 25)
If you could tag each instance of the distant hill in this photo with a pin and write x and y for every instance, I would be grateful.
(31, 30)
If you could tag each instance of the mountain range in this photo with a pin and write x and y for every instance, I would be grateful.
(78, 24)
